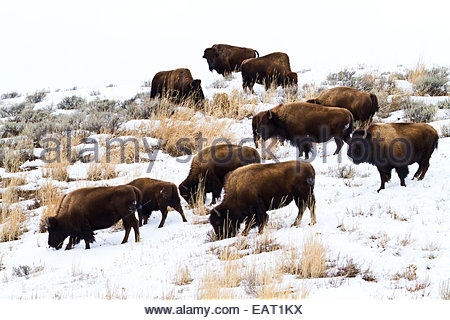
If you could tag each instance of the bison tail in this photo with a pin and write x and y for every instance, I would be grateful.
(313, 101)
(257, 54)
(436, 144)
(138, 194)
(374, 103)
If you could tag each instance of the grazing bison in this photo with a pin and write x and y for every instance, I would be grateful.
(362, 105)
(209, 167)
(302, 123)
(394, 146)
(274, 67)
(225, 58)
(178, 84)
(252, 190)
(85, 210)
(157, 195)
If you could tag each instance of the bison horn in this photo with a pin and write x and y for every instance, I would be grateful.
(270, 114)
(47, 223)
(365, 134)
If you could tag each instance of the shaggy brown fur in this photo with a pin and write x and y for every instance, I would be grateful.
(85, 210)
(178, 84)
(362, 105)
(157, 195)
(252, 190)
(394, 146)
(225, 58)
(302, 123)
(272, 68)
(210, 166)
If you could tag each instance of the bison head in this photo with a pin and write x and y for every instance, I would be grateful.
(210, 55)
(292, 78)
(56, 234)
(189, 192)
(359, 149)
(196, 91)
(263, 125)
(221, 223)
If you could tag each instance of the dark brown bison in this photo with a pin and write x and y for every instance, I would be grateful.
(225, 58)
(85, 210)
(362, 105)
(157, 195)
(209, 167)
(272, 68)
(177, 84)
(302, 123)
(394, 146)
(252, 190)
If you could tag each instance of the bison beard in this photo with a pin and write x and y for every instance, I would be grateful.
(252, 190)
(394, 146)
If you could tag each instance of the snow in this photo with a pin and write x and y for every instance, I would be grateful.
(385, 232)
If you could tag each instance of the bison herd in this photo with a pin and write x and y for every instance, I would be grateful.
(251, 188)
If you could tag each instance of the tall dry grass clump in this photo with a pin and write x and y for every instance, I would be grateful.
(219, 284)
(101, 171)
(236, 105)
(313, 260)
(49, 197)
(13, 181)
(183, 276)
(11, 220)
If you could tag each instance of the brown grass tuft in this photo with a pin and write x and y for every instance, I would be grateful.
(313, 262)
(183, 276)
(49, 197)
(11, 220)
(101, 171)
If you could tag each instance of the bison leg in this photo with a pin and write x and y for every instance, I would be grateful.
(127, 227)
(301, 205)
(216, 187)
(137, 235)
(178, 208)
(339, 144)
(163, 210)
(385, 175)
(424, 170)
(312, 208)
(261, 216)
(87, 233)
(71, 243)
(402, 172)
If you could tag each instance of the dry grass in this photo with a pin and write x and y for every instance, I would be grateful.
(198, 204)
(10, 195)
(13, 181)
(183, 276)
(49, 197)
(216, 284)
(11, 220)
(235, 105)
(313, 262)
(410, 273)
(444, 288)
(265, 243)
(417, 73)
(101, 171)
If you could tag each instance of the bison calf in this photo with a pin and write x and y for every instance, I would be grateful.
(272, 68)
(209, 167)
(178, 85)
(394, 146)
(252, 190)
(362, 105)
(157, 195)
(225, 58)
(302, 123)
(85, 210)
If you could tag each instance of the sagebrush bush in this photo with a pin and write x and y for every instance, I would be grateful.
(102, 122)
(73, 102)
(432, 82)
(10, 95)
(102, 105)
(419, 112)
(12, 110)
(345, 77)
(11, 129)
(37, 97)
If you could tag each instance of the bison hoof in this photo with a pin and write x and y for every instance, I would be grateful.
(295, 224)
(312, 223)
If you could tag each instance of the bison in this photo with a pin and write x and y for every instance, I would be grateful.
(302, 123)
(178, 85)
(362, 105)
(394, 146)
(157, 195)
(85, 210)
(274, 67)
(225, 58)
(209, 167)
(252, 190)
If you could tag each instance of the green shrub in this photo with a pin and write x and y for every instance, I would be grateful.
(11, 129)
(102, 122)
(345, 77)
(12, 110)
(433, 82)
(73, 102)
(102, 105)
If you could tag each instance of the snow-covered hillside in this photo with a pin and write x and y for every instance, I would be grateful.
(388, 245)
